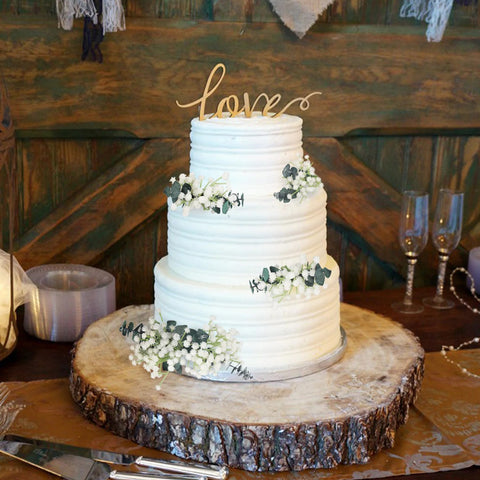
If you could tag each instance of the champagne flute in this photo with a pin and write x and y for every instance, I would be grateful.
(446, 233)
(413, 236)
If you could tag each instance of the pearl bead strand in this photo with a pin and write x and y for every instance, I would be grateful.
(451, 348)
(472, 289)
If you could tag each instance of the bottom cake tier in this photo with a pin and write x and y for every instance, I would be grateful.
(277, 339)
(341, 415)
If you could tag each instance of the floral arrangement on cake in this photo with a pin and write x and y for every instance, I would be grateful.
(189, 192)
(301, 180)
(164, 347)
(303, 278)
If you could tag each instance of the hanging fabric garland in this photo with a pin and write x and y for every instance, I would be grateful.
(93, 35)
(113, 16)
(299, 15)
(100, 17)
(434, 12)
(67, 10)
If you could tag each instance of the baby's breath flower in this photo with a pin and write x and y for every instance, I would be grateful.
(162, 348)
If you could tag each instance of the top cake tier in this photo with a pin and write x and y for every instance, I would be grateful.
(252, 150)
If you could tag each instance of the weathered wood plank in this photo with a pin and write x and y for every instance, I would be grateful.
(380, 79)
(132, 259)
(52, 169)
(106, 209)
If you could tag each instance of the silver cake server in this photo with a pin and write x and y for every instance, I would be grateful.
(70, 466)
(214, 472)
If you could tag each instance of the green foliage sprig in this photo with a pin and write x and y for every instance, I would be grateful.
(300, 179)
(303, 278)
(164, 347)
(189, 192)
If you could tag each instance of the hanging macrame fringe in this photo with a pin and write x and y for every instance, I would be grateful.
(113, 16)
(434, 12)
(112, 12)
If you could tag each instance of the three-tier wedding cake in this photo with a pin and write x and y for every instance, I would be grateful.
(247, 246)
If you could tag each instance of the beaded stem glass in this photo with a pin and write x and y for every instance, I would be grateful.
(446, 233)
(413, 236)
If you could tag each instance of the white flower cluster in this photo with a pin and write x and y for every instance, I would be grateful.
(301, 180)
(162, 348)
(304, 278)
(189, 192)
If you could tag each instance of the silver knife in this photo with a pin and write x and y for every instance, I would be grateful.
(69, 466)
(214, 472)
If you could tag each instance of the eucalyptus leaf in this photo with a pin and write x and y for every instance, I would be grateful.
(292, 192)
(265, 275)
(175, 190)
(319, 275)
(202, 335)
(198, 335)
(180, 329)
(286, 170)
(282, 195)
(178, 368)
(226, 206)
(309, 281)
(171, 325)
(138, 330)
(124, 329)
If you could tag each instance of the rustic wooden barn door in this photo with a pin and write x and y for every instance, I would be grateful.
(97, 143)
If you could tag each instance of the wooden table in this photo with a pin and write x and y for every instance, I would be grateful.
(35, 359)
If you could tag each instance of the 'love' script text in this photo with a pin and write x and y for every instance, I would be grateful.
(231, 103)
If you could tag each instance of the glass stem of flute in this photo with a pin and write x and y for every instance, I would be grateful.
(410, 274)
(442, 267)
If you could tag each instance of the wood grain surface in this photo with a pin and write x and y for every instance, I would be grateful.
(376, 79)
(340, 415)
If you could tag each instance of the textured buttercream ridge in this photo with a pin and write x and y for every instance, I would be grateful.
(240, 124)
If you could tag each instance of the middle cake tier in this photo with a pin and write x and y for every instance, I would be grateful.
(233, 248)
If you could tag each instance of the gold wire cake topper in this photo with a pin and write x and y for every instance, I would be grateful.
(232, 103)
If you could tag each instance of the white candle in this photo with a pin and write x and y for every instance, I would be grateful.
(474, 267)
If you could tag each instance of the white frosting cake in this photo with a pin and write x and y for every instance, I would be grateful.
(212, 257)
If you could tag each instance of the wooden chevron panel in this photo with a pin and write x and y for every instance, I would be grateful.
(106, 209)
(357, 197)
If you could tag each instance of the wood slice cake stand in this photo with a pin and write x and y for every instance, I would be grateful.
(340, 415)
